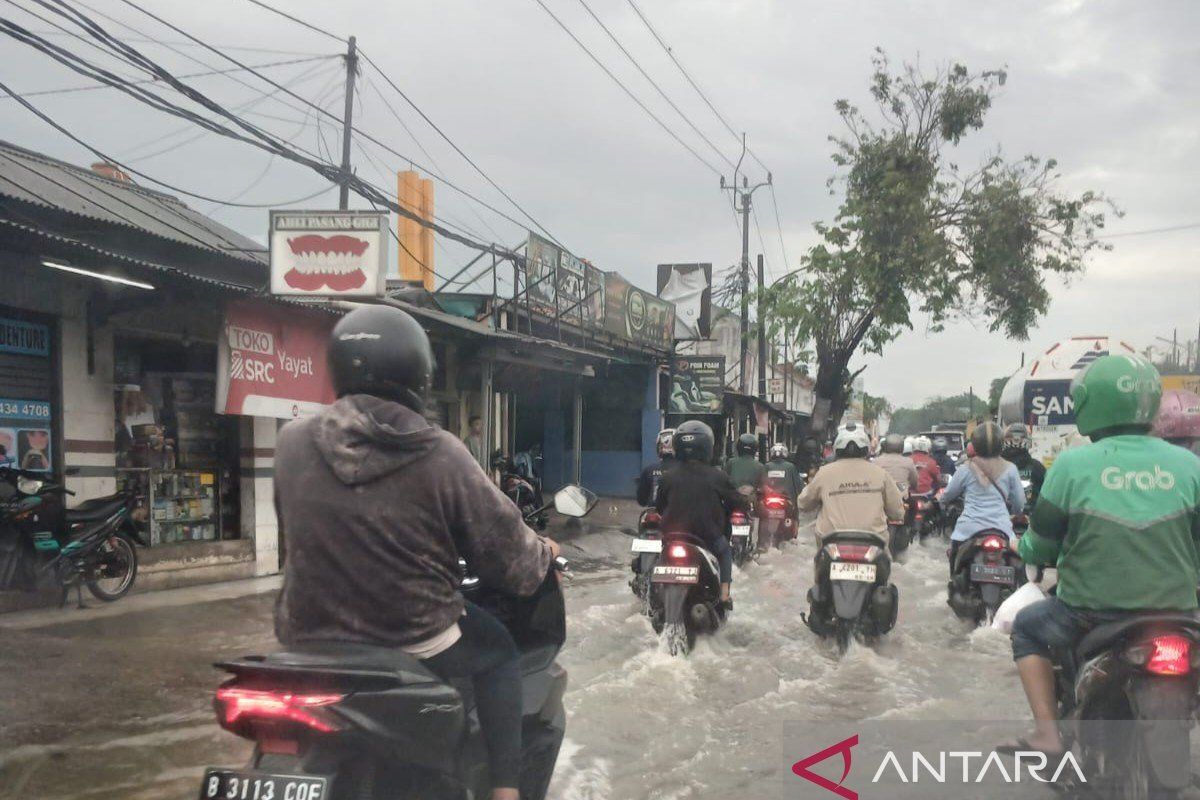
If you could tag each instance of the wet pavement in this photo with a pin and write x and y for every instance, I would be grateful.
(113, 704)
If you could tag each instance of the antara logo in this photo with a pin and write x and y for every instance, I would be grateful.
(1114, 478)
(801, 768)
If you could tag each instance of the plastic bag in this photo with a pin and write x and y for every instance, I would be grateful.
(1027, 595)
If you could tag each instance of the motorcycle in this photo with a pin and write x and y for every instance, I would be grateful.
(526, 493)
(898, 537)
(925, 516)
(985, 572)
(852, 596)
(333, 721)
(91, 545)
(646, 548)
(776, 520)
(1127, 696)
(685, 593)
(744, 541)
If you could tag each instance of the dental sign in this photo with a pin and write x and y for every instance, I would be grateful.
(272, 362)
(328, 253)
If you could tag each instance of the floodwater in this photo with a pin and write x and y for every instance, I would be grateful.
(121, 706)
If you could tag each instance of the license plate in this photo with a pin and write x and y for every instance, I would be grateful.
(775, 513)
(647, 546)
(741, 530)
(850, 571)
(988, 573)
(669, 574)
(227, 784)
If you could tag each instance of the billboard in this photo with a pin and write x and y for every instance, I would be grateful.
(271, 362)
(1190, 383)
(689, 287)
(1049, 403)
(328, 253)
(636, 315)
(697, 385)
(559, 283)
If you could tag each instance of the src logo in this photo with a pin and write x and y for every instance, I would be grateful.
(1113, 478)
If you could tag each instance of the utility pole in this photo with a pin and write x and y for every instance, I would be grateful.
(744, 193)
(347, 123)
(762, 337)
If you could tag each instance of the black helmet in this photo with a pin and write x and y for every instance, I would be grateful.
(747, 443)
(381, 351)
(693, 441)
(940, 444)
(987, 439)
(893, 443)
(1016, 436)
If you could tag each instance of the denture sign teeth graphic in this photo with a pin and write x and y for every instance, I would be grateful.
(326, 261)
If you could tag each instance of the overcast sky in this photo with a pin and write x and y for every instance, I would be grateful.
(1110, 89)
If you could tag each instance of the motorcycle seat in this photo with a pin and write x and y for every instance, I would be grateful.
(96, 509)
(339, 659)
(1102, 637)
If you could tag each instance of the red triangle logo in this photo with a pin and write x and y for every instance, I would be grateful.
(801, 768)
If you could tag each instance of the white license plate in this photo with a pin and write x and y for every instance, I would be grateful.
(669, 574)
(247, 785)
(741, 530)
(850, 571)
(775, 513)
(647, 546)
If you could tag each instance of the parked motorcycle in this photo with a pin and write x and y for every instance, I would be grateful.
(685, 593)
(985, 572)
(776, 520)
(91, 545)
(334, 721)
(1127, 695)
(852, 597)
(524, 491)
(646, 548)
(744, 541)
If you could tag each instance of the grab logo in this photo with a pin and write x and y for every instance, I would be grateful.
(1117, 480)
(1129, 384)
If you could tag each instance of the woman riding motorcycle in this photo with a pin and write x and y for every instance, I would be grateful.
(1178, 419)
(991, 489)
(376, 506)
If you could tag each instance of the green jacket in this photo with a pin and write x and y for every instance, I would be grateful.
(745, 471)
(1121, 519)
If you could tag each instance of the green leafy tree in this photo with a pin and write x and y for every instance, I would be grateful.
(956, 408)
(994, 391)
(915, 233)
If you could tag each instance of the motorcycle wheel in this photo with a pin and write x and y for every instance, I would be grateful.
(1138, 781)
(842, 636)
(540, 745)
(113, 568)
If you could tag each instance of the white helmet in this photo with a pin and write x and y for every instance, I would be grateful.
(852, 435)
(779, 450)
(922, 444)
(664, 445)
(908, 445)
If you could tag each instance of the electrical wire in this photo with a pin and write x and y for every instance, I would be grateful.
(779, 226)
(625, 88)
(654, 83)
(298, 21)
(1170, 229)
(245, 48)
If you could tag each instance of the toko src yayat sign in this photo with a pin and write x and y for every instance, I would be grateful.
(272, 362)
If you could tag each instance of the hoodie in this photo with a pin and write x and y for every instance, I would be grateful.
(375, 507)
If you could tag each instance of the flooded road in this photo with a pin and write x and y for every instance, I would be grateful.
(121, 706)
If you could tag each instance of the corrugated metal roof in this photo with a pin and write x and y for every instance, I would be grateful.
(50, 183)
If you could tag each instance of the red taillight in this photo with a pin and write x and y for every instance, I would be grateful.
(737, 518)
(677, 551)
(1169, 655)
(775, 501)
(238, 703)
(993, 543)
(853, 552)
(651, 519)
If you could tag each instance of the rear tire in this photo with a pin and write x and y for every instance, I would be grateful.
(115, 564)
(540, 744)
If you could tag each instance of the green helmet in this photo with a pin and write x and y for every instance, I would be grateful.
(1115, 391)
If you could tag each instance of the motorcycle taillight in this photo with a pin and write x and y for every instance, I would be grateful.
(651, 519)
(677, 552)
(236, 705)
(853, 552)
(737, 518)
(775, 501)
(1169, 655)
(993, 544)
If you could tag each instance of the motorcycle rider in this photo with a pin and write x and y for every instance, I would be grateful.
(377, 506)
(788, 484)
(852, 493)
(651, 477)
(1016, 452)
(941, 455)
(745, 469)
(1178, 419)
(899, 466)
(1118, 516)
(696, 498)
(929, 475)
(990, 487)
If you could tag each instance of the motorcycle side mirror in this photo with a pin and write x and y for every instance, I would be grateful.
(574, 501)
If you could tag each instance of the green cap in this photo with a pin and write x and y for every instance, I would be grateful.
(1115, 391)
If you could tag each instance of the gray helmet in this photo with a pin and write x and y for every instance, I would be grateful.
(893, 443)
(1016, 436)
(747, 443)
(940, 445)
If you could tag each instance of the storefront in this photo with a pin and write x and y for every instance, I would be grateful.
(29, 407)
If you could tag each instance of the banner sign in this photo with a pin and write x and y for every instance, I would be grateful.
(636, 315)
(559, 283)
(328, 253)
(271, 362)
(697, 385)
(689, 287)
(1049, 403)
(24, 338)
(1190, 383)
(25, 434)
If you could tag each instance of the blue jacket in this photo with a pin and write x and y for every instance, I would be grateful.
(985, 505)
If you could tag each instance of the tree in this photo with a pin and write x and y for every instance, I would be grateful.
(874, 407)
(916, 233)
(956, 408)
(994, 391)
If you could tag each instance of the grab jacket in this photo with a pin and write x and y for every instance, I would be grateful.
(375, 506)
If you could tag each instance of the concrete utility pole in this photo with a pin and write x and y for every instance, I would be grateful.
(744, 193)
(762, 337)
(347, 123)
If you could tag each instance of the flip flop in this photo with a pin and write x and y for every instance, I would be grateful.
(1022, 745)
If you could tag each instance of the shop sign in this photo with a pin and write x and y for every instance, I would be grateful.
(328, 253)
(558, 283)
(697, 385)
(25, 434)
(271, 362)
(24, 338)
(637, 316)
